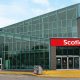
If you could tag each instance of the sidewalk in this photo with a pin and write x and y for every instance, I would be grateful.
(49, 73)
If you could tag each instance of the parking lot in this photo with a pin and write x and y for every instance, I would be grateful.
(28, 77)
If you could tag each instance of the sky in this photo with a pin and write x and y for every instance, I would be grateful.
(13, 11)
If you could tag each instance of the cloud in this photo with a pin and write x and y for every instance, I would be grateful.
(13, 9)
(6, 21)
(39, 11)
(12, 13)
(16, 11)
(76, 1)
(46, 2)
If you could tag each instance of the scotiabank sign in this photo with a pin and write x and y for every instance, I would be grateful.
(65, 42)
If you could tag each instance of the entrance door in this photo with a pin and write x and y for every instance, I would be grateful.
(64, 62)
(70, 62)
(76, 62)
(58, 61)
(0, 63)
(73, 62)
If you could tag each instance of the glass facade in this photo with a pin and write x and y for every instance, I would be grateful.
(59, 23)
(21, 53)
(25, 44)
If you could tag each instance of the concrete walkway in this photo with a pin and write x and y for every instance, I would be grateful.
(49, 73)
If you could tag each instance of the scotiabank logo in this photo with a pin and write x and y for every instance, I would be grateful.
(65, 41)
(75, 42)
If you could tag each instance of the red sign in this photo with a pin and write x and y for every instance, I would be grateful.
(65, 42)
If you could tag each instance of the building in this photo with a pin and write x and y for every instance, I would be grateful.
(27, 43)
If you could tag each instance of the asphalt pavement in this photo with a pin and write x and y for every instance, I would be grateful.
(29, 77)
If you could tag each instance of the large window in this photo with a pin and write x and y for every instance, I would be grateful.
(68, 51)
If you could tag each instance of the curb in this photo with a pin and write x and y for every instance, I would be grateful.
(47, 76)
(11, 72)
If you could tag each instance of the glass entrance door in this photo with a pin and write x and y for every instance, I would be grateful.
(76, 62)
(58, 61)
(64, 62)
(70, 62)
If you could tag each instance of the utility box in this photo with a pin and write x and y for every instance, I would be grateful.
(38, 69)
